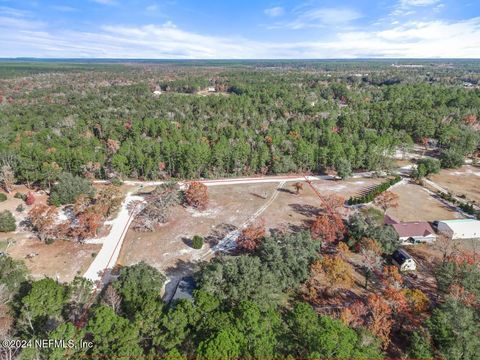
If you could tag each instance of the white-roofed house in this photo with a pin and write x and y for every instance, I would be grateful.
(460, 228)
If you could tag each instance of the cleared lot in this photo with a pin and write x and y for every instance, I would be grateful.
(463, 181)
(62, 260)
(417, 204)
(230, 207)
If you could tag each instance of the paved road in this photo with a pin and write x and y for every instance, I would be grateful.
(112, 243)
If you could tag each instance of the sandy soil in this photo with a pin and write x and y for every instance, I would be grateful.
(463, 181)
(62, 260)
(293, 210)
(231, 206)
(416, 203)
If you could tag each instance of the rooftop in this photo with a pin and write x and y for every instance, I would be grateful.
(408, 229)
(471, 225)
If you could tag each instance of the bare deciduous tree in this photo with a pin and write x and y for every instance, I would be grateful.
(7, 177)
(111, 298)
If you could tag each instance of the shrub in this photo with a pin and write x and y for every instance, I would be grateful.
(19, 196)
(69, 188)
(20, 208)
(426, 167)
(3, 197)
(450, 158)
(7, 221)
(372, 194)
(197, 242)
(116, 182)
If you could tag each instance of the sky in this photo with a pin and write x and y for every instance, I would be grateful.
(240, 29)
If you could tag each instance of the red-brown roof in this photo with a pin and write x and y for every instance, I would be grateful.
(388, 220)
(411, 229)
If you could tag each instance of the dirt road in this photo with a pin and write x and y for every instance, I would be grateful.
(107, 257)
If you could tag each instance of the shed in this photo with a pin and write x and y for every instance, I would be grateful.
(460, 228)
(184, 289)
(211, 89)
(403, 260)
(414, 232)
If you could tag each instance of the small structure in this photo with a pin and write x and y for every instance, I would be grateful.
(414, 232)
(184, 289)
(403, 260)
(157, 92)
(460, 228)
(211, 89)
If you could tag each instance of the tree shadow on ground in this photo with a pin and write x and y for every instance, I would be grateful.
(258, 196)
(305, 209)
(187, 241)
(218, 233)
(288, 191)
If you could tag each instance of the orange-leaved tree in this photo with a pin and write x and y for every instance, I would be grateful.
(43, 221)
(387, 200)
(251, 236)
(380, 320)
(331, 273)
(197, 195)
(355, 314)
(328, 227)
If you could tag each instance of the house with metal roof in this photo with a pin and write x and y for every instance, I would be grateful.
(414, 232)
(460, 228)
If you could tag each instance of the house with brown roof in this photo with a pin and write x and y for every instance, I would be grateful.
(414, 232)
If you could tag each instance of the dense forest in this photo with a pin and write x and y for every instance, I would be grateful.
(255, 305)
(104, 121)
(283, 294)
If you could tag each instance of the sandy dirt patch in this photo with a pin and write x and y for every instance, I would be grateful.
(417, 204)
(62, 260)
(463, 181)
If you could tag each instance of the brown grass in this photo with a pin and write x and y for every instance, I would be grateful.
(417, 204)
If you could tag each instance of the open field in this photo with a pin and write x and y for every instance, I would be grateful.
(463, 181)
(417, 204)
(62, 260)
(231, 206)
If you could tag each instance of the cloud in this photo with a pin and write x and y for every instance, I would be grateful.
(105, 2)
(26, 37)
(152, 8)
(63, 8)
(9, 11)
(408, 3)
(408, 7)
(320, 17)
(274, 11)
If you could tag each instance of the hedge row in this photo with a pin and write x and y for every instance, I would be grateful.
(467, 207)
(372, 194)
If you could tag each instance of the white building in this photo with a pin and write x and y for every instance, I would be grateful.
(403, 260)
(211, 89)
(157, 92)
(414, 232)
(460, 229)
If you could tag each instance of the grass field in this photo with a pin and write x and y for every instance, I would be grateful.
(416, 203)
(463, 181)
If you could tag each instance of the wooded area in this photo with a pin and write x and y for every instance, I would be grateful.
(105, 122)
(285, 292)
